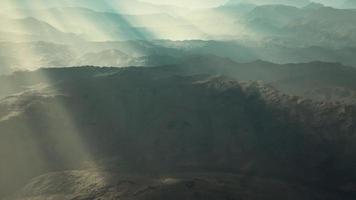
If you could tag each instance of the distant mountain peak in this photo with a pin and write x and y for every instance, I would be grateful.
(314, 5)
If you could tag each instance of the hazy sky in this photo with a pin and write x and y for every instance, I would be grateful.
(180, 3)
(212, 3)
(188, 3)
(44, 3)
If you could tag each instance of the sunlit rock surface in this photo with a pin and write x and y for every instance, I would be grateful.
(91, 184)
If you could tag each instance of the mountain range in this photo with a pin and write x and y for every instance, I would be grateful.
(275, 33)
(153, 99)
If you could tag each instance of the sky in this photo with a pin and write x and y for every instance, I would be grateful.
(188, 3)
(181, 3)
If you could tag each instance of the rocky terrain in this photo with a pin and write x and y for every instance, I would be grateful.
(91, 184)
(171, 122)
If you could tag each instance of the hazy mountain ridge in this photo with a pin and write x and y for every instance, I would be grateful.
(275, 33)
(32, 29)
(322, 26)
(104, 26)
(116, 25)
(316, 80)
(157, 52)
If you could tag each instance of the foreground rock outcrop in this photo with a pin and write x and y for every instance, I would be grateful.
(95, 185)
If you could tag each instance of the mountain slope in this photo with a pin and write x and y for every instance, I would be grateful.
(153, 120)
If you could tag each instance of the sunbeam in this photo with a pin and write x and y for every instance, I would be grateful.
(36, 147)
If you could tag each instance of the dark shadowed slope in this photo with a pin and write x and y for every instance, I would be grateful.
(155, 121)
